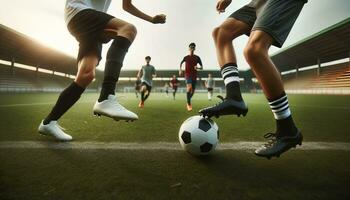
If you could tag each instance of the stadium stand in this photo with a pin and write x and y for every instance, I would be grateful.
(23, 67)
(18, 49)
(54, 71)
(329, 45)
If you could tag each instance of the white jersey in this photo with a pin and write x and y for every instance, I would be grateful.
(73, 7)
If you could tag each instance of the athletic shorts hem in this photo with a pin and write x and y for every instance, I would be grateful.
(148, 87)
(87, 26)
(276, 40)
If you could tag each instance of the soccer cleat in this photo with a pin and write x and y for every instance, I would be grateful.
(278, 145)
(189, 107)
(53, 129)
(111, 108)
(226, 107)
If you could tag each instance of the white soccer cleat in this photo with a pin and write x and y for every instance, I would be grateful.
(53, 129)
(111, 108)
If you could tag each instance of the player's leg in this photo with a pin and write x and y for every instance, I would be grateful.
(148, 92)
(193, 87)
(223, 36)
(143, 91)
(123, 34)
(256, 53)
(136, 93)
(189, 94)
(210, 94)
(268, 31)
(68, 97)
(174, 92)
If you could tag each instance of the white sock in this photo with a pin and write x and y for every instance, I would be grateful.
(280, 108)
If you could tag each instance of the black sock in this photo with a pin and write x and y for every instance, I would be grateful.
(67, 99)
(146, 96)
(188, 98)
(142, 96)
(192, 93)
(230, 75)
(284, 122)
(114, 63)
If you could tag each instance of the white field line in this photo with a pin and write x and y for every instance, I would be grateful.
(34, 104)
(238, 146)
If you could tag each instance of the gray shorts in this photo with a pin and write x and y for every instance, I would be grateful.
(275, 17)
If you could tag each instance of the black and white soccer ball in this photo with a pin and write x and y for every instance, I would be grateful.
(198, 135)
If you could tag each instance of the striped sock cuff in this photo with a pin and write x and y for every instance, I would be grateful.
(280, 107)
(229, 73)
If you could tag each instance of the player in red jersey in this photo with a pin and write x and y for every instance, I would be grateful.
(191, 68)
(174, 83)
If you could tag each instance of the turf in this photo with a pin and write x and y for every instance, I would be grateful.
(150, 174)
(68, 174)
(320, 118)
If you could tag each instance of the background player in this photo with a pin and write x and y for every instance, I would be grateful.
(267, 23)
(191, 68)
(166, 88)
(174, 83)
(88, 22)
(148, 72)
(209, 84)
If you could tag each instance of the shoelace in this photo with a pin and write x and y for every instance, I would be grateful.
(272, 138)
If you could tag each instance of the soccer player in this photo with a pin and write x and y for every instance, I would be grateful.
(174, 83)
(148, 72)
(191, 68)
(209, 84)
(267, 23)
(89, 23)
(166, 88)
(137, 86)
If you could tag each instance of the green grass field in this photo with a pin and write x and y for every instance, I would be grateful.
(154, 174)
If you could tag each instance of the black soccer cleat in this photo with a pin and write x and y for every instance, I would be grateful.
(226, 107)
(277, 145)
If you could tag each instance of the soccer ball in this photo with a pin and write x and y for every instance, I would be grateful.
(198, 135)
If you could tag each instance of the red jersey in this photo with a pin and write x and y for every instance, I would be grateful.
(174, 83)
(191, 63)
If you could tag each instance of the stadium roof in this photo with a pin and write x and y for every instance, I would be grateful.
(24, 50)
(332, 43)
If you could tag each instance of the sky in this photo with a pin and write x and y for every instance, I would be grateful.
(187, 21)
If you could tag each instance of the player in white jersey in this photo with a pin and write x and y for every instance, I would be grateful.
(89, 23)
(146, 73)
(209, 84)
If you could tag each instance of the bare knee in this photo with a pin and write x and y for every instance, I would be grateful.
(253, 50)
(129, 31)
(215, 33)
(225, 33)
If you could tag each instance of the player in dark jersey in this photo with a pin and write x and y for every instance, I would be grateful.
(266, 23)
(174, 83)
(191, 68)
